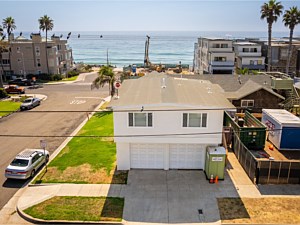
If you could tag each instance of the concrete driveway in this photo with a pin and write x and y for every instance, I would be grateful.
(173, 196)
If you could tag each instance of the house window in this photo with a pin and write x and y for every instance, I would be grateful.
(38, 62)
(247, 103)
(194, 120)
(140, 119)
(253, 49)
(224, 45)
(245, 49)
(5, 61)
(37, 51)
(216, 45)
(19, 60)
(259, 62)
(18, 49)
(220, 59)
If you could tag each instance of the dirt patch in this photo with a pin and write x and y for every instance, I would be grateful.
(260, 210)
(83, 174)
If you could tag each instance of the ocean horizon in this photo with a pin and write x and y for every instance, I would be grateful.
(128, 47)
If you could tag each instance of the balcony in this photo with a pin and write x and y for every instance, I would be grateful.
(220, 49)
(222, 63)
(249, 54)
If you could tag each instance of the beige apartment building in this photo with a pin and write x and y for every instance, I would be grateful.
(28, 56)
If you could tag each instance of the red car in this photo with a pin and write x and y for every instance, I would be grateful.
(11, 89)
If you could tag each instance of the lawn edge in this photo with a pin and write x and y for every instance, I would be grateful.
(31, 219)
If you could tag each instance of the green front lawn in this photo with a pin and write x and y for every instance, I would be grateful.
(8, 106)
(87, 159)
(71, 208)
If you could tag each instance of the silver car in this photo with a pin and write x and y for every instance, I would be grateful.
(26, 163)
(30, 103)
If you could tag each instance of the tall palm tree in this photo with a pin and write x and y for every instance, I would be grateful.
(9, 25)
(270, 11)
(106, 76)
(46, 24)
(291, 18)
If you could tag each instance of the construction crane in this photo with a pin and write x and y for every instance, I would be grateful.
(146, 58)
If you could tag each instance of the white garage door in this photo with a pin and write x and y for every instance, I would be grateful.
(147, 156)
(187, 156)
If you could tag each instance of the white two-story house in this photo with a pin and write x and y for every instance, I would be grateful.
(167, 123)
(248, 55)
(214, 56)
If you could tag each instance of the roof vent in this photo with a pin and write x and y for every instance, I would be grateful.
(163, 85)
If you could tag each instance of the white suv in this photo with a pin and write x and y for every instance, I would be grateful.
(26, 163)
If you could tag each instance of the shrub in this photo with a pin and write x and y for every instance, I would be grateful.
(3, 93)
(56, 77)
(72, 73)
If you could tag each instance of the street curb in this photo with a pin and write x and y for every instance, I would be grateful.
(41, 221)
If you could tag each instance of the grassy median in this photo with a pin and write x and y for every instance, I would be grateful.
(259, 210)
(9, 107)
(87, 159)
(71, 208)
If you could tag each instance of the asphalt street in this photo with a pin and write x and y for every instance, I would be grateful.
(41, 121)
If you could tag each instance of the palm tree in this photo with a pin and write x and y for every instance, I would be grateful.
(270, 11)
(291, 18)
(46, 23)
(9, 25)
(106, 76)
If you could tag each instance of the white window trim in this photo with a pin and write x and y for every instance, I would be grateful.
(188, 121)
(140, 126)
(247, 102)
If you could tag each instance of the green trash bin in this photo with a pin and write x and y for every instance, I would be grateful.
(215, 162)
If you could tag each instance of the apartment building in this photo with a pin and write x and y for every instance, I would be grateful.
(249, 55)
(213, 56)
(280, 53)
(28, 56)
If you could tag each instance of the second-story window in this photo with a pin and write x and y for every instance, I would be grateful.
(194, 120)
(224, 45)
(37, 51)
(220, 59)
(38, 62)
(140, 119)
(18, 49)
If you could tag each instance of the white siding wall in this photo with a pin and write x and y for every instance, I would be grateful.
(169, 123)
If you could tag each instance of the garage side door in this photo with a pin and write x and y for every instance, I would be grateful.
(187, 156)
(147, 156)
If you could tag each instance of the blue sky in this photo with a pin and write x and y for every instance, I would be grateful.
(142, 15)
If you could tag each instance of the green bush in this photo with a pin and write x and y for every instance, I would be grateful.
(56, 77)
(72, 73)
(3, 93)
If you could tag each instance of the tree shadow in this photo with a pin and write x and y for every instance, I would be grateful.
(102, 114)
(232, 209)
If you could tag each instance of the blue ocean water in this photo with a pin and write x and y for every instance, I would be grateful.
(126, 48)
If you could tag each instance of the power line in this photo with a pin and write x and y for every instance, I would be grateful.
(142, 135)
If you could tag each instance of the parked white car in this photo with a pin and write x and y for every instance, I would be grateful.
(30, 103)
(26, 163)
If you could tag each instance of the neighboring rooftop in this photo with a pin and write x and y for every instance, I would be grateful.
(157, 91)
(248, 88)
(244, 43)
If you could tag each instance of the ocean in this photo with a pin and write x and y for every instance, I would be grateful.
(126, 48)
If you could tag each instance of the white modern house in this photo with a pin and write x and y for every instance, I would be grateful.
(167, 123)
(214, 56)
(249, 55)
